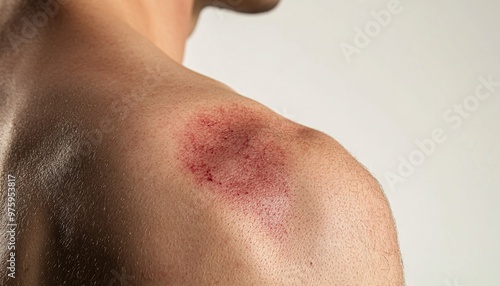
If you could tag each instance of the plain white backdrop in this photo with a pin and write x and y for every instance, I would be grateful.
(415, 74)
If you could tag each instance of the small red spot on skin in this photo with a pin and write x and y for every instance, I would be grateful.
(228, 152)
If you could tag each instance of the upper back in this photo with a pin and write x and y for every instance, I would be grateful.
(179, 180)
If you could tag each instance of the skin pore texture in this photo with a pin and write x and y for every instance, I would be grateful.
(132, 169)
(226, 152)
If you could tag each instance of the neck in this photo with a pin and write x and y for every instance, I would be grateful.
(165, 24)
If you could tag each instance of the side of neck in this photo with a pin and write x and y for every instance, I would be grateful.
(166, 24)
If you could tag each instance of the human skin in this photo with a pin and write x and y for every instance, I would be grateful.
(130, 168)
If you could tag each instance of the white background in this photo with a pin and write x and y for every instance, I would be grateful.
(393, 92)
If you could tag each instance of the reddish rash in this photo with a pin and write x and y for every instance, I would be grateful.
(229, 152)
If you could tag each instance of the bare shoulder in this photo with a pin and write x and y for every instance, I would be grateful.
(191, 185)
(286, 196)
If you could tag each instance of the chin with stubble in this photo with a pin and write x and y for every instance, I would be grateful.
(244, 6)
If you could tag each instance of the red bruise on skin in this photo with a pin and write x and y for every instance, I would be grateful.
(229, 151)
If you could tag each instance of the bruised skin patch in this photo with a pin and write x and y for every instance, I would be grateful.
(229, 151)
